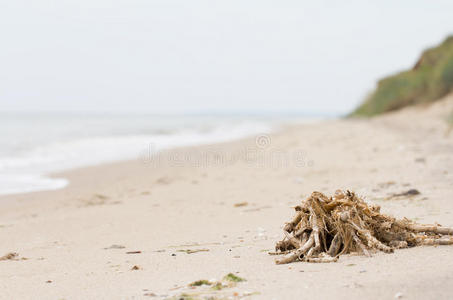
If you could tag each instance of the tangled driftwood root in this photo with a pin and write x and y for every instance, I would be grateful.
(324, 228)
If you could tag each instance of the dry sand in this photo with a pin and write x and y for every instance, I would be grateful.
(185, 199)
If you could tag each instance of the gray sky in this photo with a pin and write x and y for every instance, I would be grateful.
(181, 56)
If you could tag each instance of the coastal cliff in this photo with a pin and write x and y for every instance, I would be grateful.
(429, 80)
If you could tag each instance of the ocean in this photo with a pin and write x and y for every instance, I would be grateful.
(34, 145)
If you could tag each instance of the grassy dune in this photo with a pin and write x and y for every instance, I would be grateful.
(430, 79)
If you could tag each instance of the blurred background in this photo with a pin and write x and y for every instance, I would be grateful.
(85, 82)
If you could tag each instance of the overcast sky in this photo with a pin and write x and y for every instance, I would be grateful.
(187, 56)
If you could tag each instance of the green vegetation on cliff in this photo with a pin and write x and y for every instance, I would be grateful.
(430, 79)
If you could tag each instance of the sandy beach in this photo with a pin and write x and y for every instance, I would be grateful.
(231, 201)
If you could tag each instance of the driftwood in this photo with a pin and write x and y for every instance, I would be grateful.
(324, 228)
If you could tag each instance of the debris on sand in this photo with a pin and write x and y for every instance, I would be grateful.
(241, 204)
(9, 256)
(115, 247)
(163, 180)
(324, 228)
(408, 193)
(135, 268)
(212, 289)
(386, 184)
(192, 251)
(233, 278)
(150, 294)
(101, 196)
(201, 282)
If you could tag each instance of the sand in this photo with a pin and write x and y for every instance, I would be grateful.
(232, 200)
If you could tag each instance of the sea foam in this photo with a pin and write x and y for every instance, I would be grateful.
(34, 147)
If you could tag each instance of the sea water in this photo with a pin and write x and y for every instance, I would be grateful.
(34, 145)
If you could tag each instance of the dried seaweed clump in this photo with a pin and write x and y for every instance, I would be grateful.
(324, 228)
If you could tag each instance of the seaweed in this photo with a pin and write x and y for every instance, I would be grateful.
(233, 278)
(200, 283)
(9, 256)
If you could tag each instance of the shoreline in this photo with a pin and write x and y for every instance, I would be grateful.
(141, 155)
(234, 208)
(87, 151)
